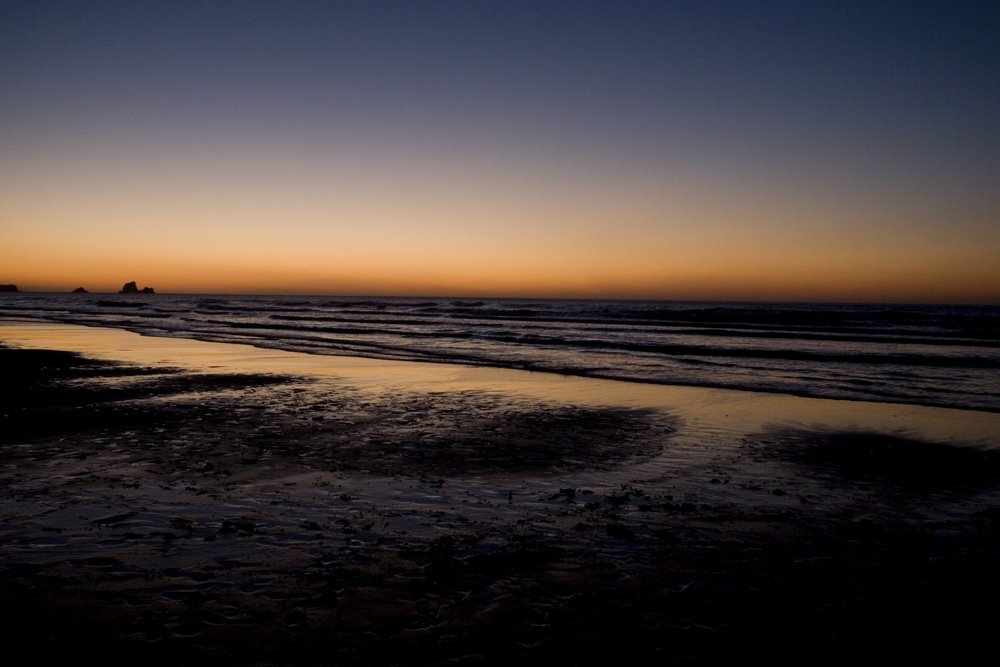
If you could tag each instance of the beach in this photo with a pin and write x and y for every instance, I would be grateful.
(171, 501)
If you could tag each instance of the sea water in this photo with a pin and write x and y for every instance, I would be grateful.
(945, 356)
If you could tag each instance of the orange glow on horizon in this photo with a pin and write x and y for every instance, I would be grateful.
(512, 230)
(360, 149)
(832, 278)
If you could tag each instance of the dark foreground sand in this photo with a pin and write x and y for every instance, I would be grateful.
(156, 516)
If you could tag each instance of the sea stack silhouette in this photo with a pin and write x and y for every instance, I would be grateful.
(8, 288)
(130, 288)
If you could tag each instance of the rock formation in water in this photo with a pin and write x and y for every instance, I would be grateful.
(8, 288)
(80, 290)
(130, 288)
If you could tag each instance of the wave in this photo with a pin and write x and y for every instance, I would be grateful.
(934, 355)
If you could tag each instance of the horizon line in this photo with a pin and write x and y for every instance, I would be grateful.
(494, 297)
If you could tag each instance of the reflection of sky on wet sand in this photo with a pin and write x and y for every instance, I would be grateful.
(436, 491)
(708, 416)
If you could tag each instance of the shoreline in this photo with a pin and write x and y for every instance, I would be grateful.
(746, 411)
(933, 355)
(262, 507)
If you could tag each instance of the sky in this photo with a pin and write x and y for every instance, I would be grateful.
(841, 151)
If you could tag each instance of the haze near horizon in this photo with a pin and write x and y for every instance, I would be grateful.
(687, 150)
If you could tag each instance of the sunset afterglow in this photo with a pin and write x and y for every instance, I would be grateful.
(522, 149)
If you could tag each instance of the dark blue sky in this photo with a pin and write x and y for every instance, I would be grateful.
(845, 102)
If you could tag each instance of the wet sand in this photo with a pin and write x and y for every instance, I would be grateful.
(176, 502)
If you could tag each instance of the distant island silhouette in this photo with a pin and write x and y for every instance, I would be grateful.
(80, 290)
(8, 288)
(130, 288)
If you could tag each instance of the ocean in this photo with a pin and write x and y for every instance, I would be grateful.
(945, 356)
